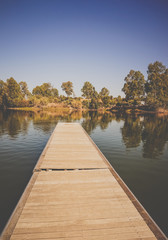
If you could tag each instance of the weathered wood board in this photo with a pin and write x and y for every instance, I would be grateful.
(77, 195)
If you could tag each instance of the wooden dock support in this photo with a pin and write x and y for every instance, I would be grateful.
(75, 194)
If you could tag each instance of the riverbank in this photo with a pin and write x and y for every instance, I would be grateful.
(57, 109)
(38, 109)
(116, 109)
(139, 110)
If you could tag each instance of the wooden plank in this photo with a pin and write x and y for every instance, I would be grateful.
(88, 201)
(70, 148)
(84, 220)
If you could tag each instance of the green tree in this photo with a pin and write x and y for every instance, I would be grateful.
(105, 98)
(67, 87)
(95, 93)
(24, 89)
(88, 90)
(157, 85)
(134, 88)
(106, 101)
(37, 91)
(14, 90)
(3, 94)
(14, 94)
(55, 92)
(118, 100)
(104, 92)
(77, 104)
(93, 104)
(45, 90)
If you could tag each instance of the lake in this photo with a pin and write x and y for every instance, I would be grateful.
(135, 145)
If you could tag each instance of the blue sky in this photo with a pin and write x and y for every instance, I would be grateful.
(81, 40)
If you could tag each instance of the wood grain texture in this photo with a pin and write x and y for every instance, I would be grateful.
(70, 148)
(76, 196)
(87, 204)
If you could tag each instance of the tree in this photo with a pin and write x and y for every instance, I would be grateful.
(157, 85)
(94, 93)
(45, 90)
(93, 104)
(157, 67)
(24, 89)
(67, 87)
(118, 100)
(104, 92)
(104, 95)
(13, 96)
(134, 88)
(3, 92)
(89, 91)
(14, 90)
(106, 101)
(37, 91)
(55, 92)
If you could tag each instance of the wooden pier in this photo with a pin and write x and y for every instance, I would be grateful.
(75, 194)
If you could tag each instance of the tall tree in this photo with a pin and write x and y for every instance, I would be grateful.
(157, 85)
(89, 91)
(54, 92)
(24, 89)
(134, 88)
(104, 92)
(3, 94)
(67, 87)
(37, 91)
(45, 90)
(14, 90)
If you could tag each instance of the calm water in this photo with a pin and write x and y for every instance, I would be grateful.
(136, 146)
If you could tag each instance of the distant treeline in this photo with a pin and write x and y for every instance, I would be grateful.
(152, 92)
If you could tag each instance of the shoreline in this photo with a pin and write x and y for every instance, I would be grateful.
(102, 110)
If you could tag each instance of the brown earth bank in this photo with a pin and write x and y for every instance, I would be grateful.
(139, 109)
(60, 108)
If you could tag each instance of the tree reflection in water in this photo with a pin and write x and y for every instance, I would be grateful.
(94, 119)
(154, 136)
(13, 122)
(132, 131)
(150, 130)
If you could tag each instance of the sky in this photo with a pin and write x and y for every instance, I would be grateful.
(98, 41)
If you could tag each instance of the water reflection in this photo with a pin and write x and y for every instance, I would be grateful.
(13, 122)
(154, 136)
(132, 131)
(93, 119)
(146, 137)
(150, 130)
